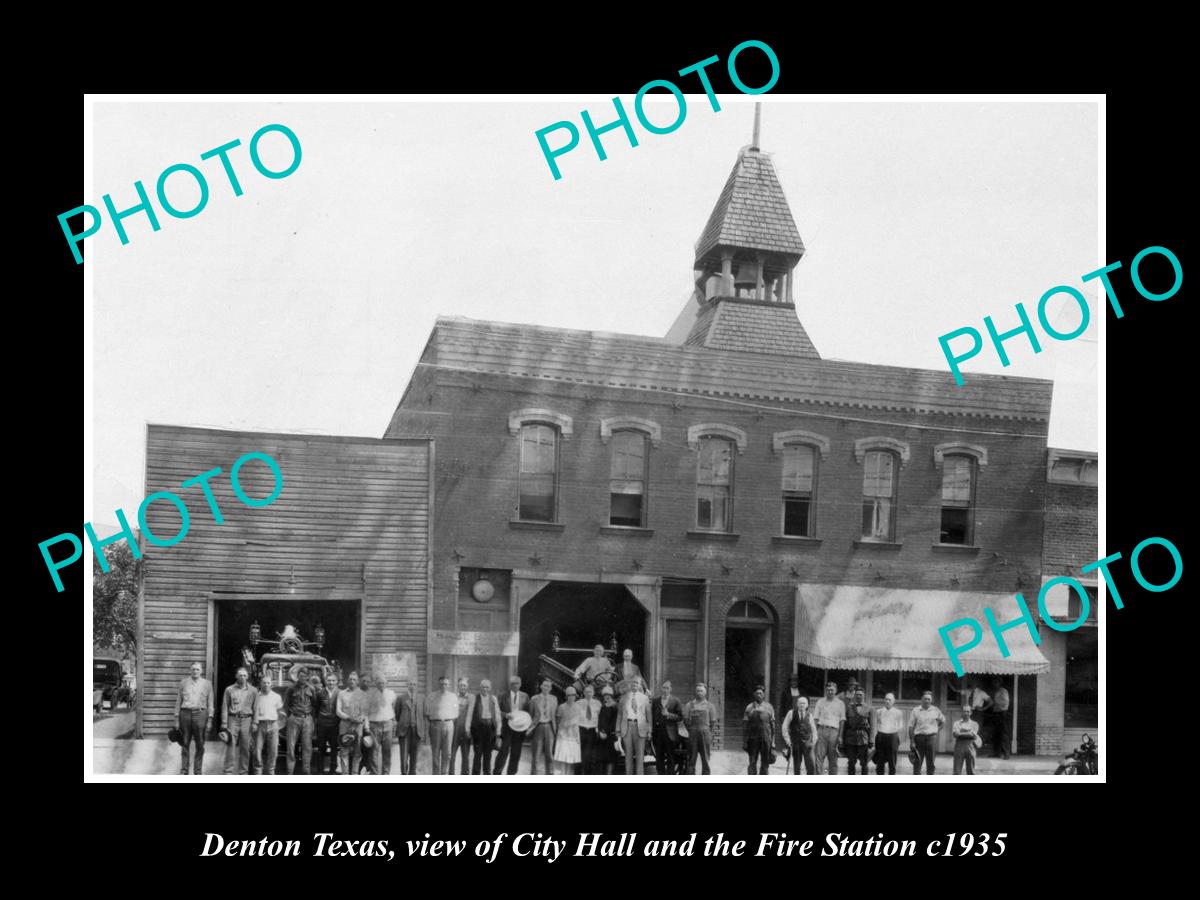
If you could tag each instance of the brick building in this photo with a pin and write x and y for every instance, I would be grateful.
(723, 501)
(1068, 695)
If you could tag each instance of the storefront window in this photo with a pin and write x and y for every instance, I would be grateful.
(914, 684)
(1080, 709)
(883, 683)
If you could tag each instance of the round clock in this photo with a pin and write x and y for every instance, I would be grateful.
(483, 590)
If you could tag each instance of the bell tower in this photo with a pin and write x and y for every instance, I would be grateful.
(744, 268)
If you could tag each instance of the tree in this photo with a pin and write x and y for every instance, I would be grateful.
(115, 599)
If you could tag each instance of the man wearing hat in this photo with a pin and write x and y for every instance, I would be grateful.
(194, 709)
(237, 713)
(298, 705)
(760, 731)
(265, 723)
(513, 701)
(351, 713)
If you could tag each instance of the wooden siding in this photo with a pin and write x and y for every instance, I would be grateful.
(353, 522)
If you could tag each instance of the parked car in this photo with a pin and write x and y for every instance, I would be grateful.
(107, 677)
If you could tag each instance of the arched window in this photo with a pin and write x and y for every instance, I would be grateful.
(879, 495)
(958, 498)
(748, 611)
(538, 493)
(714, 484)
(627, 484)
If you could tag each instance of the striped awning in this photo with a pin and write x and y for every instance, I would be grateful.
(890, 629)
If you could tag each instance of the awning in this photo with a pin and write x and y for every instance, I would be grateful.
(847, 627)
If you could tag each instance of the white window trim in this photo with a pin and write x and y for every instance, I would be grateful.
(900, 448)
(958, 448)
(521, 417)
(782, 439)
(629, 423)
(716, 429)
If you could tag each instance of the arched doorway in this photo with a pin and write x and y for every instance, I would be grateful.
(749, 629)
(582, 614)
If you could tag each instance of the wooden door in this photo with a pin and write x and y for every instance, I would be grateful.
(681, 656)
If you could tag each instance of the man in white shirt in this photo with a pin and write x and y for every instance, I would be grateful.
(589, 716)
(381, 719)
(888, 724)
(830, 717)
(351, 712)
(924, 725)
(596, 664)
(265, 725)
(965, 731)
(442, 710)
(194, 706)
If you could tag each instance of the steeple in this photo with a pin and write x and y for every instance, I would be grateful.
(744, 264)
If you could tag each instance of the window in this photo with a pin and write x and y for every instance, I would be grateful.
(627, 489)
(1082, 700)
(901, 685)
(958, 483)
(714, 485)
(799, 487)
(539, 473)
(879, 492)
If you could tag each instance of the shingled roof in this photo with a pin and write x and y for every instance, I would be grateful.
(647, 363)
(751, 326)
(751, 212)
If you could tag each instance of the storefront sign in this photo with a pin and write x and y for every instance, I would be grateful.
(400, 669)
(474, 643)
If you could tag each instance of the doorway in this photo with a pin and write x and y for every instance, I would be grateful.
(747, 664)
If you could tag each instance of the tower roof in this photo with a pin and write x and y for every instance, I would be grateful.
(752, 213)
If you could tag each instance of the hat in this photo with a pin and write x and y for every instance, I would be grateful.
(520, 721)
(347, 739)
(175, 736)
(224, 735)
(682, 729)
(368, 742)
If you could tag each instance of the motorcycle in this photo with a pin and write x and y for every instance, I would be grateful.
(1084, 760)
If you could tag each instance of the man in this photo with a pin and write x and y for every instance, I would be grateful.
(923, 728)
(596, 664)
(830, 716)
(298, 706)
(351, 709)
(665, 713)
(325, 726)
(237, 714)
(965, 730)
(515, 700)
(979, 701)
(589, 715)
(1000, 704)
(633, 719)
(857, 733)
(461, 742)
(442, 709)
(800, 734)
(627, 672)
(483, 716)
(701, 716)
(544, 710)
(381, 720)
(759, 721)
(889, 722)
(194, 709)
(411, 727)
(265, 723)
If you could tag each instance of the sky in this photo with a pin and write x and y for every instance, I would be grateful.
(303, 305)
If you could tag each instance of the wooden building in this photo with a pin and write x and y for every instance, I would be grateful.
(723, 501)
(345, 546)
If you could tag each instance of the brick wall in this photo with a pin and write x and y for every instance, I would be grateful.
(1071, 528)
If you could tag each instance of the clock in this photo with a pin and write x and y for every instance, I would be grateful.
(483, 590)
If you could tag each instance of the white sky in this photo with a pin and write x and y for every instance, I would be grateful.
(303, 305)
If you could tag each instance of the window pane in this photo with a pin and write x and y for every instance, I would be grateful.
(712, 508)
(628, 455)
(626, 510)
(877, 519)
(795, 516)
(883, 683)
(797, 468)
(956, 480)
(913, 684)
(537, 449)
(537, 507)
(877, 474)
(715, 456)
(954, 525)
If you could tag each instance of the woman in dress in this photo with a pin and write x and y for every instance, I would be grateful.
(566, 742)
(606, 733)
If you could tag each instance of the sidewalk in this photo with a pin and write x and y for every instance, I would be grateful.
(160, 757)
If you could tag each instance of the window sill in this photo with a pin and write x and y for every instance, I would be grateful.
(961, 549)
(522, 525)
(794, 540)
(877, 545)
(627, 530)
(729, 537)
